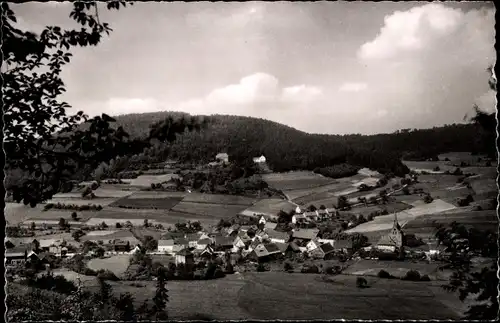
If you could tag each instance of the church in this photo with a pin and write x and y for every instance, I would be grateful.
(392, 243)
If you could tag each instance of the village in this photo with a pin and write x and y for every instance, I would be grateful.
(293, 240)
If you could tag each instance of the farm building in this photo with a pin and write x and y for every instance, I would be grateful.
(17, 254)
(298, 210)
(312, 244)
(203, 243)
(299, 219)
(222, 157)
(193, 239)
(184, 256)
(343, 246)
(277, 236)
(207, 253)
(223, 243)
(323, 251)
(166, 245)
(259, 160)
(330, 241)
(265, 252)
(305, 234)
(121, 245)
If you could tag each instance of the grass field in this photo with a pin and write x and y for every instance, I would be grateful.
(331, 189)
(295, 296)
(147, 180)
(296, 180)
(219, 199)
(165, 203)
(117, 264)
(101, 192)
(485, 187)
(429, 166)
(477, 219)
(109, 235)
(80, 201)
(385, 222)
(155, 195)
(218, 211)
(269, 206)
(395, 268)
(19, 213)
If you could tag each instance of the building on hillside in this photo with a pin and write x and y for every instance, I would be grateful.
(343, 246)
(265, 252)
(277, 236)
(262, 220)
(193, 239)
(203, 243)
(222, 157)
(17, 255)
(324, 251)
(259, 160)
(121, 245)
(299, 219)
(305, 234)
(207, 253)
(392, 242)
(298, 210)
(184, 256)
(166, 246)
(312, 244)
(223, 243)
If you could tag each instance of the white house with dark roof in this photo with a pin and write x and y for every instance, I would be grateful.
(222, 157)
(259, 160)
(277, 236)
(305, 234)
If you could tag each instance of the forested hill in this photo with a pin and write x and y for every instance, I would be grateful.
(287, 148)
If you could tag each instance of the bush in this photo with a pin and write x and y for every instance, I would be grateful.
(261, 268)
(107, 275)
(412, 275)
(361, 282)
(287, 266)
(118, 225)
(384, 274)
(428, 198)
(335, 270)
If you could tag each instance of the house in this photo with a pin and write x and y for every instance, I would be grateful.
(325, 250)
(312, 215)
(121, 245)
(299, 218)
(182, 242)
(262, 220)
(259, 160)
(343, 246)
(45, 244)
(223, 243)
(305, 234)
(277, 236)
(222, 157)
(298, 210)
(135, 250)
(241, 240)
(16, 255)
(207, 253)
(203, 243)
(32, 256)
(233, 229)
(166, 246)
(261, 235)
(184, 256)
(192, 239)
(392, 242)
(253, 244)
(264, 252)
(312, 244)
(330, 241)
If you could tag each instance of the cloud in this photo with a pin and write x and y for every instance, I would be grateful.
(353, 87)
(413, 30)
(259, 94)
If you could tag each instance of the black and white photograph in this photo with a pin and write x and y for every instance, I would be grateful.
(254, 160)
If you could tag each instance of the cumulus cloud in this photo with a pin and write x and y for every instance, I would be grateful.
(415, 29)
(353, 87)
(254, 95)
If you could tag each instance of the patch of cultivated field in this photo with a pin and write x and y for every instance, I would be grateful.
(155, 195)
(147, 180)
(385, 222)
(477, 219)
(269, 207)
(219, 211)
(303, 195)
(166, 203)
(305, 297)
(458, 157)
(136, 216)
(219, 199)
(485, 187)
(100, 233)
(38, 214)
(395, 268)
(117, 264)
(80, 201)
(429, 166)
(15, 213)
(100, 193)
(296, 180)
(124, 235)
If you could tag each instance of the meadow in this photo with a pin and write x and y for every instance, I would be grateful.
(210, 210)
(219, 199)
(117, 264)
(269, 207)
(147, 180)
(296, 180)
(165, 203)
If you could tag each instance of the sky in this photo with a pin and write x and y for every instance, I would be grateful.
(320, 67)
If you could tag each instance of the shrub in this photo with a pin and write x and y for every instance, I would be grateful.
(107, 275)
(361, 282)
(287, 266)
(261, 268)
(384, 274)
(74, 216)
(118, 225)
(412, 275)
(428, 198)
(48, 206)
(425, 278)
(310, 269)
(335, 270)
